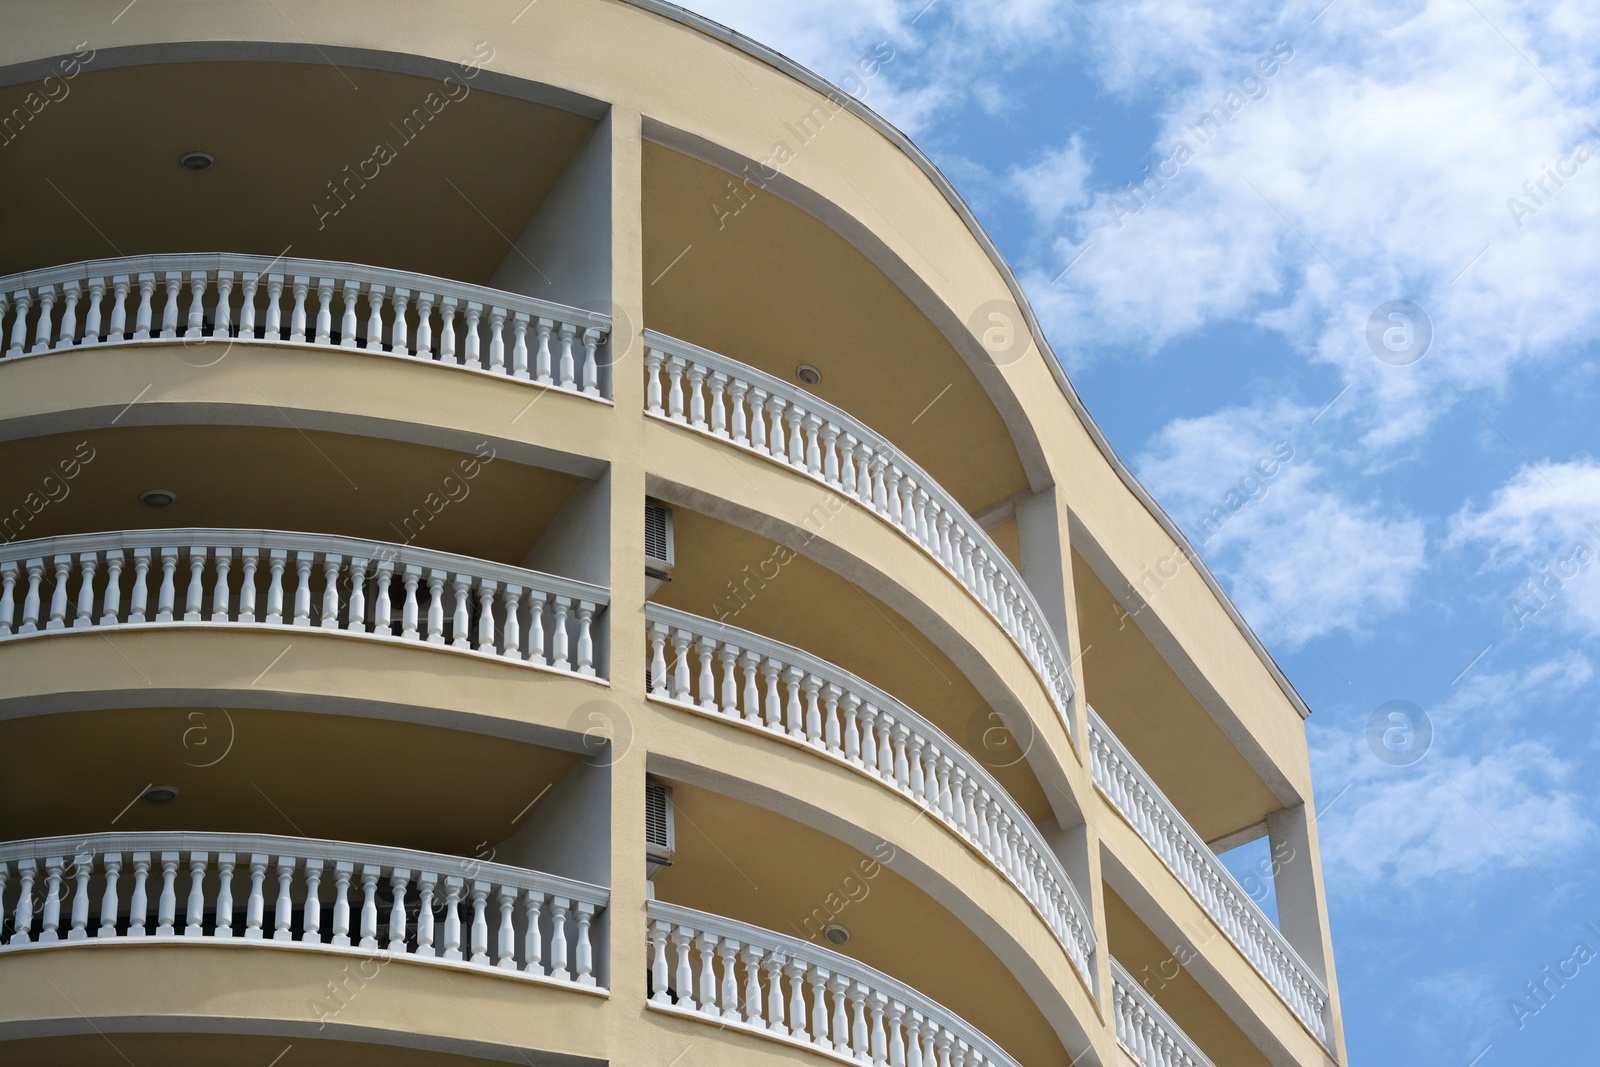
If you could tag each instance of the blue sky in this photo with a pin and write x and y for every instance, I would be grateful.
(1444, 154)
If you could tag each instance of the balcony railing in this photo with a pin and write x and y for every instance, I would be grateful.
(1146, 1032)
(743, 976)
(199, 297)
(769, 686)
(269, 578)
(775, 419)
(329, 895)
(1187, 856)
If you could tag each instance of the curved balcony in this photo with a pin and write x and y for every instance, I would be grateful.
(268, 578)
(838, 716)
(1133, 793)
(1144, 1031)
(320, 895)
(225, 297)
(793, 991)
(772, 418)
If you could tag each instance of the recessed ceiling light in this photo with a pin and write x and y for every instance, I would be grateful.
(836, 933)
(158, 498)
(196, 160)
(161, 794)
(808, 374)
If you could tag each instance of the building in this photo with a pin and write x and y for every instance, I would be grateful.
(551, 536)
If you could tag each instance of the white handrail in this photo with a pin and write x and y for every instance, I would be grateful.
(277, 578)
(773, 418)
(304, 891)
(196, 297)
(802, 994)
(1190, 859)
(836, 714)
(1147, 1033)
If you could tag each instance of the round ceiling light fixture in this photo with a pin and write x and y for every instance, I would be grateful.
(196, 160)
(808, 374)
(160, 794)
(836, 933)
(158, 498)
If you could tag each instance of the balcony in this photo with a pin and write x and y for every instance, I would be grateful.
(769, 417)
(301, 893)
(1157, 821)
(1144, 1031)
(782, 691)
(195, 299)
(801, 994)
(365, 589)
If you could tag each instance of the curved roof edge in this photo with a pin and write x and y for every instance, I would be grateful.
(809, 77)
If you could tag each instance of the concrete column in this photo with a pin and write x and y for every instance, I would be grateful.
(1296, 882)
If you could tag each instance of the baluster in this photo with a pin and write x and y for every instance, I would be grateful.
(369, 905)
(30, 602)
(902, 766)
(772, 965)
(247, 585)
(195, 596)
(705, 944)
(813, 714)
(399, 340)
(795, 971)
(675, 368)
(79, 918)
(585, 661)
(717, 384)
(223, 924)
(892, 476)
(247, 306)
(519, 345)
(302, 589)
(436, 606)
(728, 995)
(347, 322)
(219, 593)
(194, 325)
(652, 380)
(145, 313)
(590, 379)
(447, 330)
(222, 318)
(749, 662)
(558, 634)
(111, 870)
(86, 568)
(794, 716)
(311, 917)
(139, 598)
(533, 944)
(375, 297)
(497, 340)
(167, 906)
(425, 883)
(169, 310)
(424, 325)
(682, 978)
(408, 611)
(758, 416)
(660, 932)
(459, 638)
(740, 432)
(729, 700)
(706, 683)
(42, 325)
(583, 951)
(195, 914)
(879, 1041)
(471, 355)
(536, 602)
(23, 917)
(869, 737)
(751, 957)
(818, 977)
(356, 610)
(118, 327)
(19, 326)
(506, 937)
(382, 611)
(770, 669)
(50, 917)
(848, 485)
(480, 924)
(297, 314)
(776, 405)
(283, 913)
(541, 355)
(94, 317)
(69, 315)
(452, 917)
(838, 985)
(511, 632)
(8, 596)
(697, 397)
(831, 735)
(567, 367)
(656, 673)
(273, 330)
(58, 596)
(331, 562)
(342, 871)
(558, 939)
(167, 592)
(399, 878)
(913, 1025)
(809, 425)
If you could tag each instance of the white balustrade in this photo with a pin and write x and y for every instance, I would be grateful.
(1146, 1032)
(192, 298)
(304, 892)
(776, 419)
(761, 684)
(273, 578)
(741, 976)
(1133, 793)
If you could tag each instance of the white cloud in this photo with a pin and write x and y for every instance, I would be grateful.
(1302, 559)
(1055, 182)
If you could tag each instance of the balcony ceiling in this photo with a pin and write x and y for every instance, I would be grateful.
(773, 287)
(113, 1049)
(372, 781)
(262, 478)
(95, 173)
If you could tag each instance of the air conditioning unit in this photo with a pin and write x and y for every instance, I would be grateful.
(658, 554)
(659, 838)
